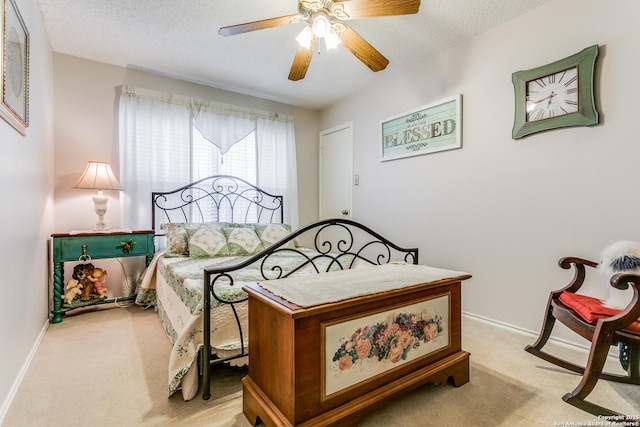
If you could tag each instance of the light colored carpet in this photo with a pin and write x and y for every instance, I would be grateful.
(108, 367)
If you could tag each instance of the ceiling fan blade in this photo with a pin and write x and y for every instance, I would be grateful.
(357, 9)
(363, 50)
(302, 60)
(232, 30)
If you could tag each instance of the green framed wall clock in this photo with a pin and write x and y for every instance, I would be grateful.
(556, 95)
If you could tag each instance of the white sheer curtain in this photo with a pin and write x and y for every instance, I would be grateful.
(155, 154)
(156, 147)
(277, 146)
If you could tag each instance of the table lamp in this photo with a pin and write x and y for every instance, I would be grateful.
(99, 176)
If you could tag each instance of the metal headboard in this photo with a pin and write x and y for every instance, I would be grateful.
(221, 198)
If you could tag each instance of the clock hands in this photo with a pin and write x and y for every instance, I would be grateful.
(550, 98)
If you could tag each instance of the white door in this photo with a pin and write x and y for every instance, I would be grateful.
(336, 172)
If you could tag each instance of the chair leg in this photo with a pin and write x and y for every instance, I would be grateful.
(589, 407)
(545, 332)
(602, 340)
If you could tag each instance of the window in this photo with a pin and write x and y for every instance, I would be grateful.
(167, 141)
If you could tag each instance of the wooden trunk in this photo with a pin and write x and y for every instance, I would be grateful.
(292, 380)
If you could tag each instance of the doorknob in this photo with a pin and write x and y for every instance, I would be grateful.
(345, 212)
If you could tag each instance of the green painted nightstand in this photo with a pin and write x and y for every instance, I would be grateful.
(90, 246)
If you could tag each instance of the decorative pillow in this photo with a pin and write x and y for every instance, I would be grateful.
(272, 233)
(208, 242)
(178, 236)
(177, 239)
(242, 240)
(591, 309)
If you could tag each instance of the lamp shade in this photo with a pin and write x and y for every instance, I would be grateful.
(98, 176)
(320, 24)
(305, 37)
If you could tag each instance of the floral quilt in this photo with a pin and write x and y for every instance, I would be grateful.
(185, 277)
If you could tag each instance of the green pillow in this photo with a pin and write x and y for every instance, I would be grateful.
(208, 242)
(242, 240)
(177, 239)
(272, 233)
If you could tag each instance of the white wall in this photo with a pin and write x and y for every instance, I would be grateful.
(506, 210)
(26, 213)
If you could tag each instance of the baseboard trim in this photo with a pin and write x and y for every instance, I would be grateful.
(4, 409)
(533, 334)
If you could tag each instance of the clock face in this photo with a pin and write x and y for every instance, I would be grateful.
(552, 95)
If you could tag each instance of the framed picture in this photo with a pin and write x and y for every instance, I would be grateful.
(361, 347)
(556, 95)
(427, 129)
(14, 55)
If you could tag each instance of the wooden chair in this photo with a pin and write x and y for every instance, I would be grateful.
(602, 326)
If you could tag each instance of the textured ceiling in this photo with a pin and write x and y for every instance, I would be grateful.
(179, 38)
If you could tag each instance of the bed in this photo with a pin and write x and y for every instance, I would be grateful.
(221, 233)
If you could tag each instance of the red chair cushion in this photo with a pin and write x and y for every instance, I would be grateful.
(591, 309)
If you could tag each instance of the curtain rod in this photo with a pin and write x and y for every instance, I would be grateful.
(189, 103)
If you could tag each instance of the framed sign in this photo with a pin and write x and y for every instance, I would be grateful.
(14, 58)
(428, 129)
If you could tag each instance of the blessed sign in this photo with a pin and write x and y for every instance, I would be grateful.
(432, 128)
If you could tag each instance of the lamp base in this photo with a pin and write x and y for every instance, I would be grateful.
(100, 205)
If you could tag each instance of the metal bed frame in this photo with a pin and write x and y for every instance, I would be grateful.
(338, 244)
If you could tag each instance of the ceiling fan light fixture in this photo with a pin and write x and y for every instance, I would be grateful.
(305, 37)
(321, 24)
(332, 40)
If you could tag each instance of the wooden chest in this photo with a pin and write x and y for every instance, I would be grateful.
(332, 363)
